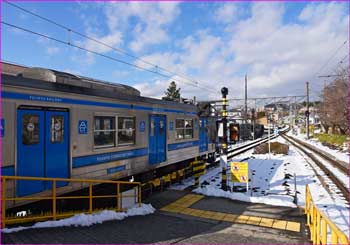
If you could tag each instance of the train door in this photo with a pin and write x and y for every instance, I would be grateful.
(56, 146)
(157, 139)
(42, 148)
(203, 134)
(30, 149)
(161, 144)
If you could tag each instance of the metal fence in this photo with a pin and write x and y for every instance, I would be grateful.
(53, 198)
(321, 228)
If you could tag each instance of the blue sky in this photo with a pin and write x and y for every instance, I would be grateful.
(279, 45)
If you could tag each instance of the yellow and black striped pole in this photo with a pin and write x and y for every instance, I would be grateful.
(223, 156)
(198, 169)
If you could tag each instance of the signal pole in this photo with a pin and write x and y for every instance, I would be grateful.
(307, 110)
(223, 157)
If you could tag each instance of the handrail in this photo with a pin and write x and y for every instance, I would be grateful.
(54, 215)
(318, 223)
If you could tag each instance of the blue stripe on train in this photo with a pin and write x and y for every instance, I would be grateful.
(176, 146)
(108, 157)
(34, 97)
(116, 169)
(115, 156)
(8, 171)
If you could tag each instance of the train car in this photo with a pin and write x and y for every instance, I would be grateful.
(56, 124)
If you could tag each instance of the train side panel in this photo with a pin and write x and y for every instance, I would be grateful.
(85, 159)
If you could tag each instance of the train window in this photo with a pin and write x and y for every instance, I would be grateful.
(57, 129)
(104, 132)
(126, 130)
(179, 125)
(184, 128)
(189, 129)
(30, 129)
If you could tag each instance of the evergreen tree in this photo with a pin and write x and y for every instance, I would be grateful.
(172, 93)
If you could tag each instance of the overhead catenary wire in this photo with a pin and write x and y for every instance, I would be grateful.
(70, 30)
(100, 54)
(330, 58)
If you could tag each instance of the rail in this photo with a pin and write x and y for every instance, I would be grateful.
(328, 172)
(319, 224)
(54, 214)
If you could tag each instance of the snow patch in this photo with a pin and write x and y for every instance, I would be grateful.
(88, 219)
(270, 200)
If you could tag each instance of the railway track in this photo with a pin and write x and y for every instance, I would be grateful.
(315, 156)
(243, 148)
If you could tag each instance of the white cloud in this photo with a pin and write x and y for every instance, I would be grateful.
(52, 50)
(153, 89)
(167, 60)
(112, 40)
(153, 18)
(281, 55)
(226, 13)
(276, 54)
(278, 57)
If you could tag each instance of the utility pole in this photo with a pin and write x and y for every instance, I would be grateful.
(245, 101)
(324, 105)
(268, 133)
(253, 122)
(295, 113)
(307, 110)
(223, 157)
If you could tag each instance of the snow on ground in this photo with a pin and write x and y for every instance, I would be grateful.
(88, 219)
(342, 156)
(272, 182)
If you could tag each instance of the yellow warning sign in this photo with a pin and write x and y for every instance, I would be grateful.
(239, 172)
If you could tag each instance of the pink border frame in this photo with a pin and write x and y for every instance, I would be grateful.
(348, 98)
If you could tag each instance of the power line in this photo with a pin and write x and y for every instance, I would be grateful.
(332, 56)
(101, 43)
(97, 53)
(340, 62)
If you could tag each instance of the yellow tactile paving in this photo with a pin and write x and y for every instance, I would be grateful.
(183, 204)
(230, 217)
(186, 211)
(266, 222)
(209, 213)
(293, 226)
(205, 215)
(242, 219)
(254, 220)
(197, 212)
(218, 216)
(279, 224)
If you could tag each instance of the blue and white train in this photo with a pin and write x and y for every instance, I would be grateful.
(56, 124)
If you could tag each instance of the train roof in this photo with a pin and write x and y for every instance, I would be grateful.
(53, 80)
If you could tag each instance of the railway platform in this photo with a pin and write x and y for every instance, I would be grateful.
(183, 217)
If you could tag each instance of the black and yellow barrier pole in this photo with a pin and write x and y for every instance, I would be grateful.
(223, 156)
(198, 169)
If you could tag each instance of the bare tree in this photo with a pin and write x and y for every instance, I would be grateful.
(334, 111)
